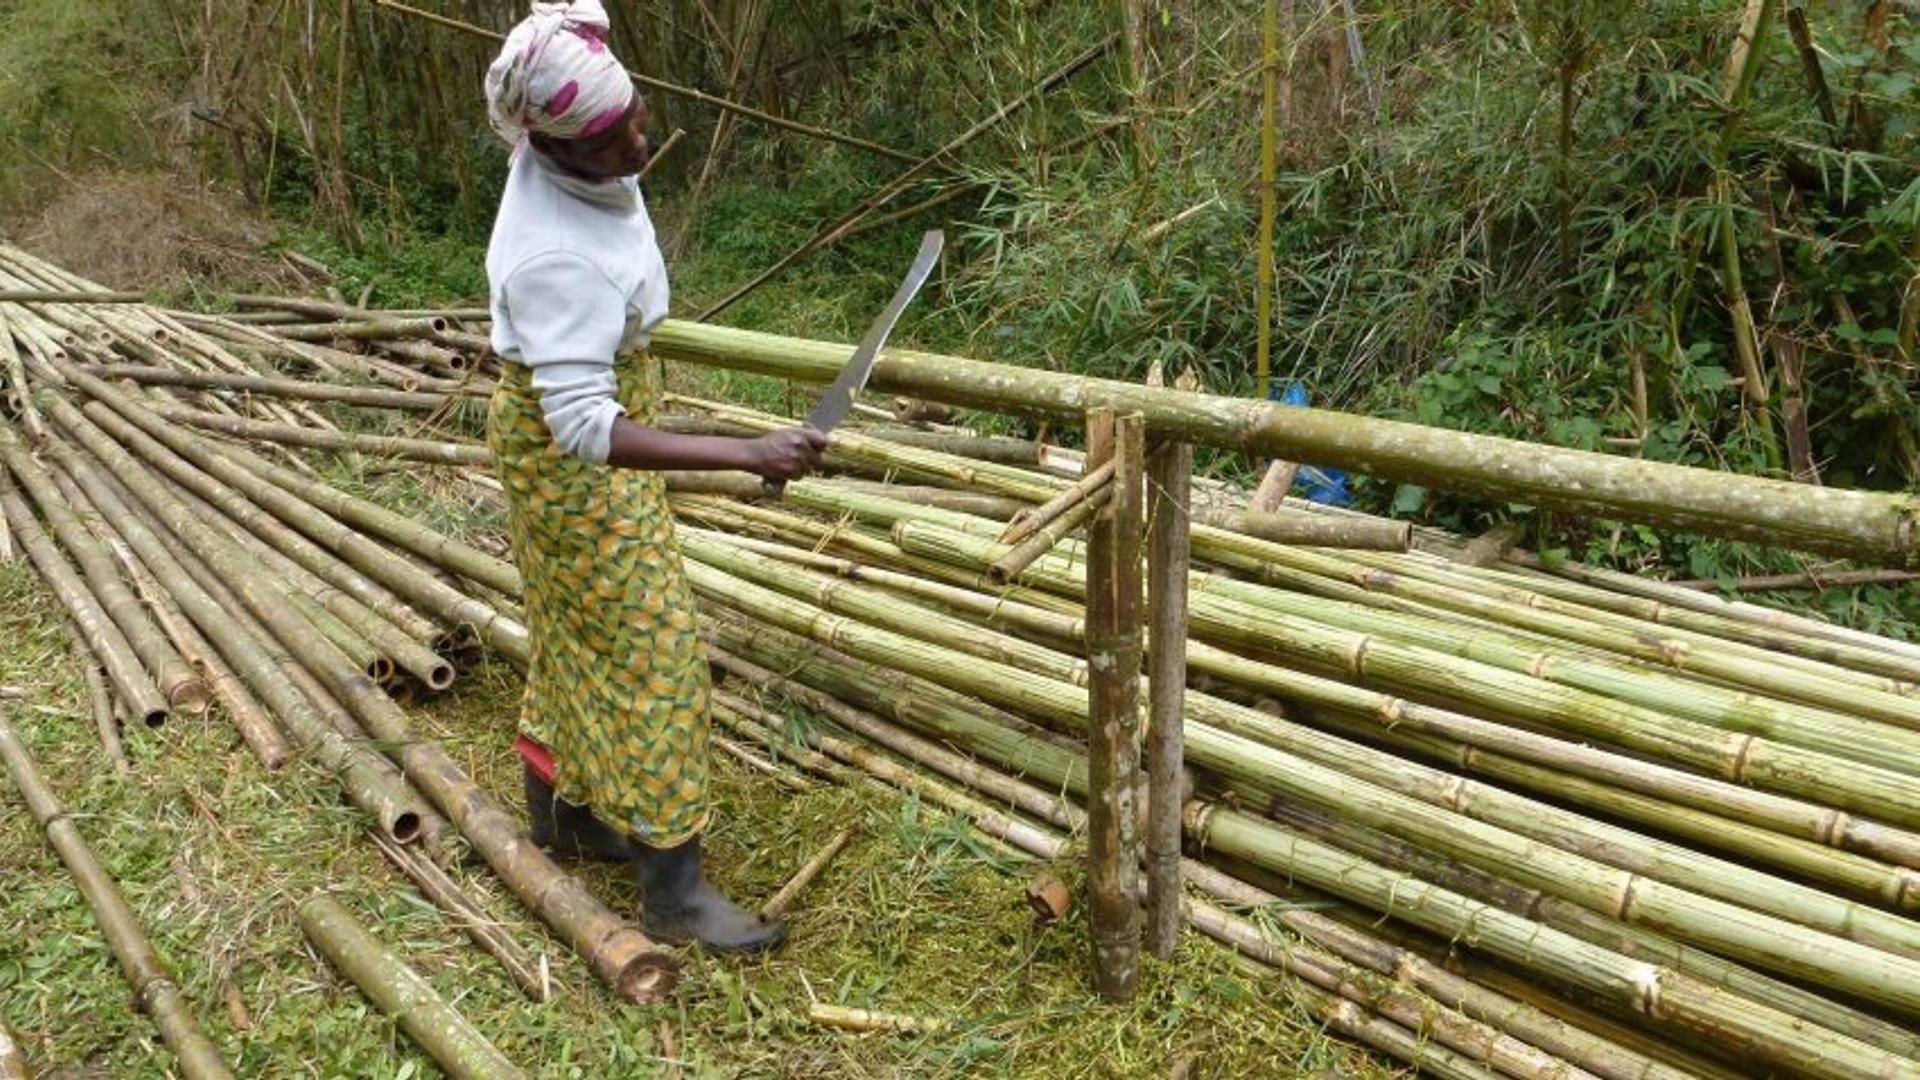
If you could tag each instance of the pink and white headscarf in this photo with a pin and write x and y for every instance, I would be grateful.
(555, 75)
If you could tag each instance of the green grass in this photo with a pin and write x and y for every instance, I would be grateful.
(918, 915)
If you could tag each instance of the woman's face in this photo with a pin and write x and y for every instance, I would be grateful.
(621, 150)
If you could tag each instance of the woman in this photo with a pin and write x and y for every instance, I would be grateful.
(614, 723)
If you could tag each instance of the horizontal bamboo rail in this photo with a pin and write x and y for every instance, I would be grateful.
(1873, 527)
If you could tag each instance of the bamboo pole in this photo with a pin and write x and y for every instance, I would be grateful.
(1169, 501)
(431, 451)
(39, 296)
(634, 967)
(454, 1043)
(1269, 197)
(258, 730)
(1008, 567)
(391, 806)
(182, 688)
(159, 443)
(1764, 1034)
(1113, 660)
(969, 725)
(870, 1021)
(1082, 491)
(108, 644)
(153, 988)
(1285, 526)
(1871, 526)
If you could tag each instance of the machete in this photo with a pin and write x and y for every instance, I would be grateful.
(837, 402)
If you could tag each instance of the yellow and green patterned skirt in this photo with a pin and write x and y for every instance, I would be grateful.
(617, 686)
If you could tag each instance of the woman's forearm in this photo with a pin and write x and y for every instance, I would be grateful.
(636, 446)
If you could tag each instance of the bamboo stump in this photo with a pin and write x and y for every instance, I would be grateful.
(1113, 729)
(1169, 555)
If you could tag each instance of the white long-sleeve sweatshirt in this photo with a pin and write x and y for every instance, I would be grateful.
(574, 277)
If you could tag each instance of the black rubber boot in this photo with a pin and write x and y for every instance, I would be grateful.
(679, 906)
(569, 831)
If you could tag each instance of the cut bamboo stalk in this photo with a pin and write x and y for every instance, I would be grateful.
(1113, 719)
(454, 1043)
(1169, 555)
(1034, 520)
(1417, 1014)
(620, 955)
(265, 386)
(153, 988)
(870, 1021)
(1764, 1034)
(1875, 527)
(257, 729)
(1285, 526)
(804, 876)
(35, 296)
(958, 719)
(395, 809)
(107, 643)
(1406, 804)
(453, 901)
(380, 330)
(158, 442)
(176, 680)
(1273, 487)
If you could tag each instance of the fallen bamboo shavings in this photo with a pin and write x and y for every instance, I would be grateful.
(870, 1021)
(804, 876)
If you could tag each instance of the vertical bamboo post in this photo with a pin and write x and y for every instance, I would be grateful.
(1113, 662)
(1169, 554)
(1269, 197)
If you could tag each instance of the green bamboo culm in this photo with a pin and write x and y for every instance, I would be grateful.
(454, 1043)
(154, 989)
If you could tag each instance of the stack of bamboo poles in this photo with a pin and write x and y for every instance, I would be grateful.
(1493, 818)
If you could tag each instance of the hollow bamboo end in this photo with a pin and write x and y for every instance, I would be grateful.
(190, 697)
(154, 719)
(648, 978)
(440, 676)
(405, 827)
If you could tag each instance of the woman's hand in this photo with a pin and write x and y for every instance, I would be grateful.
(787, 454)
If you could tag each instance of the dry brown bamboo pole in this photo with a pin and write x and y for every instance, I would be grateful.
(1817, 580)
(431, 451)
(13, 372)
(266, 386)
(1081, 491)
(447, 895)
(1284, 526)
(454, 1043)
(999, 449)
(180, 684)
(255, 727)
(633, 966)
(359, 773)
(153, 987)
(365, 329)
(99, 701)
(1169, 557)
(1113, 661)
(804, 876)
(107, 643)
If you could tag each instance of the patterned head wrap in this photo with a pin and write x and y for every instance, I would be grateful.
(556, 76)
